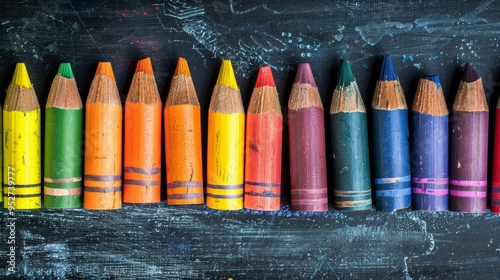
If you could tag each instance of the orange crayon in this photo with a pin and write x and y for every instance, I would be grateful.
(264, 130)
(103, 142)
(142, 141)
(183, 140)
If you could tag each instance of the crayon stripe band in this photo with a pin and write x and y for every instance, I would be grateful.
(468, 183)
(181, 184)
(61, 192)
(467, 193)
(380, 181)
(25, 195)
(495, 189)
(142, 183)
(22, 186)
(393, 192)
(312, 201)
(225, 187)
(262, 184)
(354, 203)
(436, 192)
(62, 180)
(352, 193)
(102, 178)
(102, 190)
(309, 191)
(434, 181)
(495, 201)
(133, 169)
(225, 196)
(185, 196)
(263, 194)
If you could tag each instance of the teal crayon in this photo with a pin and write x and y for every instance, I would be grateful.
(351, 162)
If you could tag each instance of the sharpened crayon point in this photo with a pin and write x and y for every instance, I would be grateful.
(265, 77)
(226, 75)
(21, 77)
(182, 67)
(65, 70)
(387, 73)
(469, 74)
(435, 79)
(104, 68)
(304, 75)
(144, 65)
(345, 76)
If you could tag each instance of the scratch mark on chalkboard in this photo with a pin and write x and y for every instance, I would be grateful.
(372, 32)
(180, 9)
(263, 6)
(428, 251)
(434, 22)
(87, 30)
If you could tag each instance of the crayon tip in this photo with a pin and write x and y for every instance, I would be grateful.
(104, 68)
(304, 75)
(65, 70)
(226, 75)
(21, 77)
(345, 75)
(387, 73)
(144, 65)
(469, 74)
(182, 67)
(265, 77)
(435, 79)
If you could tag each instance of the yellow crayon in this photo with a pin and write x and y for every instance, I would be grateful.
(21, 149)
(226, 143)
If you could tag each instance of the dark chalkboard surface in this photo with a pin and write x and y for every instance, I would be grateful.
(424, 37)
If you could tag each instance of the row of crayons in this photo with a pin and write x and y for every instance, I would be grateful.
(244, 169)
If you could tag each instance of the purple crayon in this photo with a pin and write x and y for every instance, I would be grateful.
(306, 131)
(429, 149)
(469, 146)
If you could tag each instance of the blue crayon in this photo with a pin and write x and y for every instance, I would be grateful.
(391, 148)
(429, 151)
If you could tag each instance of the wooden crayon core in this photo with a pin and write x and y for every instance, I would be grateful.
(495, 184)
(306, 131)
(21, 148)
(263, 145)
(226, 142)
(351, 163)
(142, 139)
(62, 180)
(429, 150)
(103, 143)
(469, 146)
(391, 151)
(183, 151)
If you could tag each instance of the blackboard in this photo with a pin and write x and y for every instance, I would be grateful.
(160, 241)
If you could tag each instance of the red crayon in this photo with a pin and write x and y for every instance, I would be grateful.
(495, 184)
(306, 131)
(263, 145)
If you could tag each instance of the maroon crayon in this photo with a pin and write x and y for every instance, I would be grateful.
(469, 146)
(306, 131)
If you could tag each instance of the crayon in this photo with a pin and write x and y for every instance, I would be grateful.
(183, 152)
(142, 138)
(495, 184)
(351, 162)
(103, 143)
(469, 146)
(429, 150)
(263, 144)
(62, 181)
(306, 132)
(21, 148)
(226, 143)
(391, 148)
